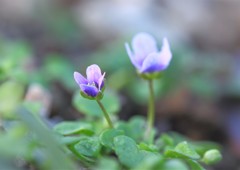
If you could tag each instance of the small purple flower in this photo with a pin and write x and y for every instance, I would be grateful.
(93, 84)
(145, 55)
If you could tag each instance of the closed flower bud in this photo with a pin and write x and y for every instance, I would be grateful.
(212, 156)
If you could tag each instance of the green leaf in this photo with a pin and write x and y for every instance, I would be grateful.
(195, 165)
(106, 138)
(70, 128)
(88, 146)
(127, 151)
(137, 127)
(203, 146)
(11, 94)
(163, 141)
(107, 164)
(134, 128)
(53, 154)
(69, 140)
(174, 164)
(182, 150)
(150, 161)
(90, 107)
(11, 139)
(144, 146)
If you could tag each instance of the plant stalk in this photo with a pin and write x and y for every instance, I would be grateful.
(105, 114)
(151, 110)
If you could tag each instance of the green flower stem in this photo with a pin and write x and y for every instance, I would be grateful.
(105, 114)
(151, 110)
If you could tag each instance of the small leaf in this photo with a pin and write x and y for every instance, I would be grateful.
(89, 107)
(88, 147)
(182, 150)
(150, 162)
(146, 147)
(107, 164)
(195, 165)
(106, 138)
(174, 164)
(137, 127)
(134, 128)
(127, 151)
(164, 140)
(53, 154)
(70, 128)
(69, 140)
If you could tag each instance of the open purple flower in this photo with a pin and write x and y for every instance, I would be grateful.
(145, 55)
(93, 84)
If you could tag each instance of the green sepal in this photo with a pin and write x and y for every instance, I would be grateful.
(150, 76)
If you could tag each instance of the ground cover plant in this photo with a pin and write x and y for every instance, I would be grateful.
(100, 139)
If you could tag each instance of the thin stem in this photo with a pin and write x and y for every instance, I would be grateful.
(105, 114)
(151, 110)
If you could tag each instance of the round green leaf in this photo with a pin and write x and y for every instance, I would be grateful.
(182, 150)
(107, 163)
(106, 138)
(134, 128)
(126, 150)
(90, 107)
(129, 154)
(88, 147)
(69, 128)
(137, 127)
(195, 165)
(174, 164)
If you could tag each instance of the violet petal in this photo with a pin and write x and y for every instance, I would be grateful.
(131, 56)
(165, 54)
(89, 90)
(152, 64)
(93, 73)
(101, 82)
(143, 44)
(79, 78)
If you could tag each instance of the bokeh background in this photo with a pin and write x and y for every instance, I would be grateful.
(43, 42)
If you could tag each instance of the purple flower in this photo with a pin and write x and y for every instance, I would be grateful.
(93, 84)
(145, 55)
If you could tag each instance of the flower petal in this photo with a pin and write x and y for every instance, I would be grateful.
(158, 61)
(89, 90)
(143, 44)
(152, 64)
(93, 73)
(101, 82)
(165, 54)
(131, 56)
(79, 78)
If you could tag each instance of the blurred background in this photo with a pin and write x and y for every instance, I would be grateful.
(43, 42)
